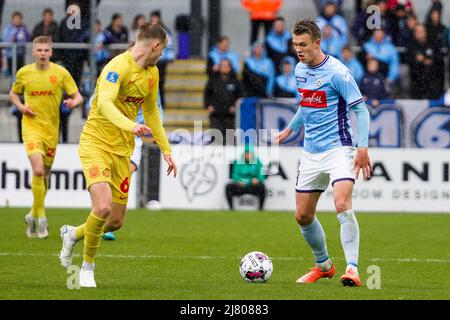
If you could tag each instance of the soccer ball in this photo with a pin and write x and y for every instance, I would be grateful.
(256, 267)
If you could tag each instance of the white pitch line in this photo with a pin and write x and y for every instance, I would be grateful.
(121, 256)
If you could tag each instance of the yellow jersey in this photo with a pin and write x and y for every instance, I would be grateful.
(43, 90)
(122, 88)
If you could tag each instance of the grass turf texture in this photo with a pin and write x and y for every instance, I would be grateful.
(195, 255)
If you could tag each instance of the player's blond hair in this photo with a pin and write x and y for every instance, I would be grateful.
(309, 27)
(149, 31)
(42, 39)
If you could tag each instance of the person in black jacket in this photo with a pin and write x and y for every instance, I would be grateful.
(221, 94)
(373, 84)
(426, 66)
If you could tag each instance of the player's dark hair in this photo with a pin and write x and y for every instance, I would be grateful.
(309, 27)
(149, 31)
(42, 39)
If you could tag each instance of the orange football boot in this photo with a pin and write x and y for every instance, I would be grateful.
(351, 279)
(316, 274)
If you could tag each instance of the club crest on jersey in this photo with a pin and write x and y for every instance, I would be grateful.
(112, 77)
(319, 83)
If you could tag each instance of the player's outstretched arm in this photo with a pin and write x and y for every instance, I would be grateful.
(75, 100)
(15, 99)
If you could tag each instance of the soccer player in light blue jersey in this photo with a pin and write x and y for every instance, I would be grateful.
(328, 92)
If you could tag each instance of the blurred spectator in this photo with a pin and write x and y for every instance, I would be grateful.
(331, 42)
(116, 32)
(372, 84)
(362, 33)
(426, 67)
(436, 31)
(349, 60)
(335, 21)
(277, 42)
(320, 5)
(101, 51)
(222, 51)
(139, 20)
(435, 5)
(16, 32)
(47, 27)
(259, 73)
(221, 94)
(286, 83)
(400, 26)
(73, 60)
(168, 54)
(406, 4)
(384, 51)
(247, 178)
(262, 12)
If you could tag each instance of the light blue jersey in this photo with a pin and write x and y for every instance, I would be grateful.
(328, 91)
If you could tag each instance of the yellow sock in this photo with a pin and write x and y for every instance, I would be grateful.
(38, 189)
(80, 232)
(46, 184)
(92, 236)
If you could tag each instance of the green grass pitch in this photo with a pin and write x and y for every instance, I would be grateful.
(184, 255)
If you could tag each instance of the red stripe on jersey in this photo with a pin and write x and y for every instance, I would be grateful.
(313, 98)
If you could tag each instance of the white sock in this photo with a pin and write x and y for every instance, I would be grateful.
(88, 266)
(349, 237)
(72, 235)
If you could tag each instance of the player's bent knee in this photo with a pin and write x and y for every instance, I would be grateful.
(303, 219)
(102, 210)
(39, 172)
(342, 206)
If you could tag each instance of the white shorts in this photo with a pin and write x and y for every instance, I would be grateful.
(317, 169)
(137, 152)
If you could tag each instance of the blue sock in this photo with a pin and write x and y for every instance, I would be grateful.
(349, 237)
(315, 237)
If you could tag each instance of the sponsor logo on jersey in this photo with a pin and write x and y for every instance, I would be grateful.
(41, 93)
(137, 100)
(301, 79)
(112, 77)
(313, 98)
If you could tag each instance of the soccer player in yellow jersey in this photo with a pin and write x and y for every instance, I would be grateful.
(42, 83)
(127, 83)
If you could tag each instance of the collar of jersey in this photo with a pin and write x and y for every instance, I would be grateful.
(320, 64)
